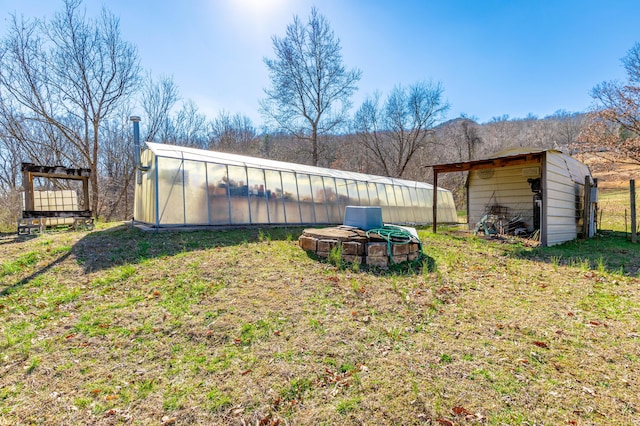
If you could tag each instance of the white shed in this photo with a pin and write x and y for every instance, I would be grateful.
(539, 192)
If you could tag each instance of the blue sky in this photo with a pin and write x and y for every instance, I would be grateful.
(492, 57)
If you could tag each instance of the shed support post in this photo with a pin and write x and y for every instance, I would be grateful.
(634, 229)
(586, 210)
(435, 201)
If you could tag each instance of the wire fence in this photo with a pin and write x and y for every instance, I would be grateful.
(614, 210)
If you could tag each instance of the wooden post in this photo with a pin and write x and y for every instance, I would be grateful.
(634, 229)
(85, 194)
(27, 183)
(435, 200)
(586, 216)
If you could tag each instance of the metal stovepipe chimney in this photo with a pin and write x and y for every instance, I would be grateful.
(136, 139)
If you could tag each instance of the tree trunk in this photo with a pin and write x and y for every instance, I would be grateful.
(314, 144)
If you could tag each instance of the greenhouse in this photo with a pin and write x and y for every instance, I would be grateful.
(180, 186)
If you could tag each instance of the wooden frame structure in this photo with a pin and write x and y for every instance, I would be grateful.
(32, 218)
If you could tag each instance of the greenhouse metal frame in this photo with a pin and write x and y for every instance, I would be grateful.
(181, 186)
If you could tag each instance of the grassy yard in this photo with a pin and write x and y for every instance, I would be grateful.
(117, 326)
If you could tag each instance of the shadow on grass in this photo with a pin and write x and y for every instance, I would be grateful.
(608, 251)
(14, 238)
(13, 287)
(415, 267)
(124, 244)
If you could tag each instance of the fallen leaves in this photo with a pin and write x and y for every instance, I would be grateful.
(167, 421)
(461, 411)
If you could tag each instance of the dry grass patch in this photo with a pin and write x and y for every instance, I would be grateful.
(118, 326)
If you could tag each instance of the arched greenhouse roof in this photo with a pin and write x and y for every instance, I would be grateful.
(194, 154)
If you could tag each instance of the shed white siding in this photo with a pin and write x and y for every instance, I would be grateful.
(504, 187)
(563, 192)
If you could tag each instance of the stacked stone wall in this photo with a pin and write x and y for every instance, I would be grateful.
(362, 250)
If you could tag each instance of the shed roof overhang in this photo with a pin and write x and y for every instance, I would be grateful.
(488, 163)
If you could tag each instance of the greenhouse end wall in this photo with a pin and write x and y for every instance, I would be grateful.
(191, 192)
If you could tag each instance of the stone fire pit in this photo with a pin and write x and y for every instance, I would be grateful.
(357, 247)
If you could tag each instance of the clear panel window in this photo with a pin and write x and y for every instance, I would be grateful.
(290, 196)
(393, 209)
(195, 193)
(407, 204)
(239, 195)
(274, 194)
(374, 199)
(335, 208)
(364, 194)
(319, 199)
(306, 199)
(354, 197)
(257, 196)
(170, 191)
(218, 194)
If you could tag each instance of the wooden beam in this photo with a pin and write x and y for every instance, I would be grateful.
(488, 163)
(55, 213)
(55, 171)
(634, 228)
(435, 201)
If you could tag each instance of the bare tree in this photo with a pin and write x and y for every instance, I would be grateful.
(188, 127)
(568, 127)
(311, 88)
(68, 75)
(158, 97)
(618, 104)
(232, 133)
(394, 132)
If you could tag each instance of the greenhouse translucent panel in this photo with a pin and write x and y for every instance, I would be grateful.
(239, 195)
(342, 192)
(218, 194)
(290, 187)
(364, 193)
(195, 193)
(354, 197)
(372, 190)
(185, 186)
(257, 196)
(403, 209)
(305, 195)
(415, 205)
(424, 195)
(145, 204)
(391, 198)
(407, 204)
(319, 199)
(336, 204)
(274, 197)
(384, 203)
(151, 199)
(170, 191)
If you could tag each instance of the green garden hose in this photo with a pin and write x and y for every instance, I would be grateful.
(395, 235)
